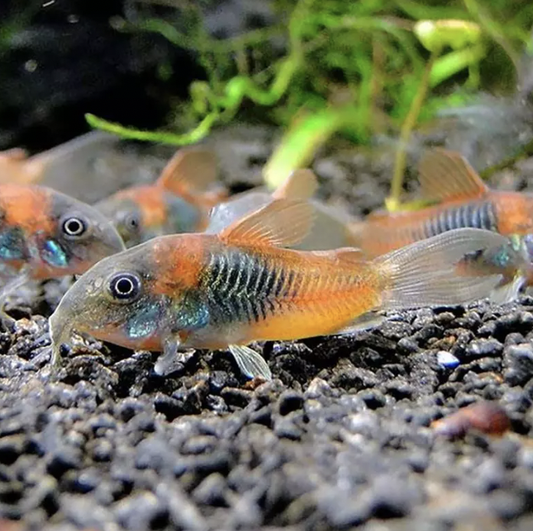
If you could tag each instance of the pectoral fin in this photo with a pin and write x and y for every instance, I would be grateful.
(250, 362)
(5, 291)
(508, 292)
(168, 359)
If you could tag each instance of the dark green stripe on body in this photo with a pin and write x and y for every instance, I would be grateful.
(244, 287)
(472, 215)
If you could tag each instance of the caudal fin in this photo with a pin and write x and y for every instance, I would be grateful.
(426, 273)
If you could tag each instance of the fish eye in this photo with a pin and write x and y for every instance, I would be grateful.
(132, 221)
(124, 286)
(74, 226)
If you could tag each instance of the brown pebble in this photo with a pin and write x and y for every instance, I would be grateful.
(254, 383)
(487, 417)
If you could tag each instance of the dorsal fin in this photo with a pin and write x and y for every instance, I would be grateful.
(300, 184)
(446, 176)
(282, 222)
(190, 170)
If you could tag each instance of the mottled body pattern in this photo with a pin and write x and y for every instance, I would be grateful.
(266, 293)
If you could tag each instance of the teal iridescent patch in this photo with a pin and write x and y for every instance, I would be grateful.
(53, 254)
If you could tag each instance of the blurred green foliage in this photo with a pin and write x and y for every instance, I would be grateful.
(363, 57)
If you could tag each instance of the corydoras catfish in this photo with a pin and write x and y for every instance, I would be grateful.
(45, 234)
(226, 290)
(179, 201)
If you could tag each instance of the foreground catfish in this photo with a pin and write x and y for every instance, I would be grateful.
(239, 286)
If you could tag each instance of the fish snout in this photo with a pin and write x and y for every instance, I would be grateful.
(60, 326)
(113, 241)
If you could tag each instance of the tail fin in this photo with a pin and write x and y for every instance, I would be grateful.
(426, 274)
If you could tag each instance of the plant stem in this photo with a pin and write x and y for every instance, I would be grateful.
(393, 201)
(524, 152)
(195, 135)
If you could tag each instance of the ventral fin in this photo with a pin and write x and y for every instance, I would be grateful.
(363, 323)
(301, 184)
(447, 176)
(250, 363)
(281, 223)
(190, 170)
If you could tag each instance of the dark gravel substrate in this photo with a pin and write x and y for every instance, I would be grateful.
(340, 439)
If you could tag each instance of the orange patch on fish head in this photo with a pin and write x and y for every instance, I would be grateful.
(179, 262)
(27, 208)
(151, 201)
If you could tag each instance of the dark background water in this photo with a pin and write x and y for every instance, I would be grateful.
(61, 59)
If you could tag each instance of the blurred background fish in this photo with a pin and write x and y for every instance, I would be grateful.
(179, 201)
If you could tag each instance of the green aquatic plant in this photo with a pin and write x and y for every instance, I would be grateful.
(360, 68)
(465, 39)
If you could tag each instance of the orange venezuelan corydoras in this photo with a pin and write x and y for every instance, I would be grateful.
(464, 200)
(45, 234)
(179, 201)
(238, 286)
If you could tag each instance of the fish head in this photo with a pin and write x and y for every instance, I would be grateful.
(125, 210)
(74, 237)
(505, 259)
(145, 212)
(114, 301)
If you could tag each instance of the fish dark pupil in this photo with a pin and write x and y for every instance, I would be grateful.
(124, 286)
(74, 227)
(132, 222)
